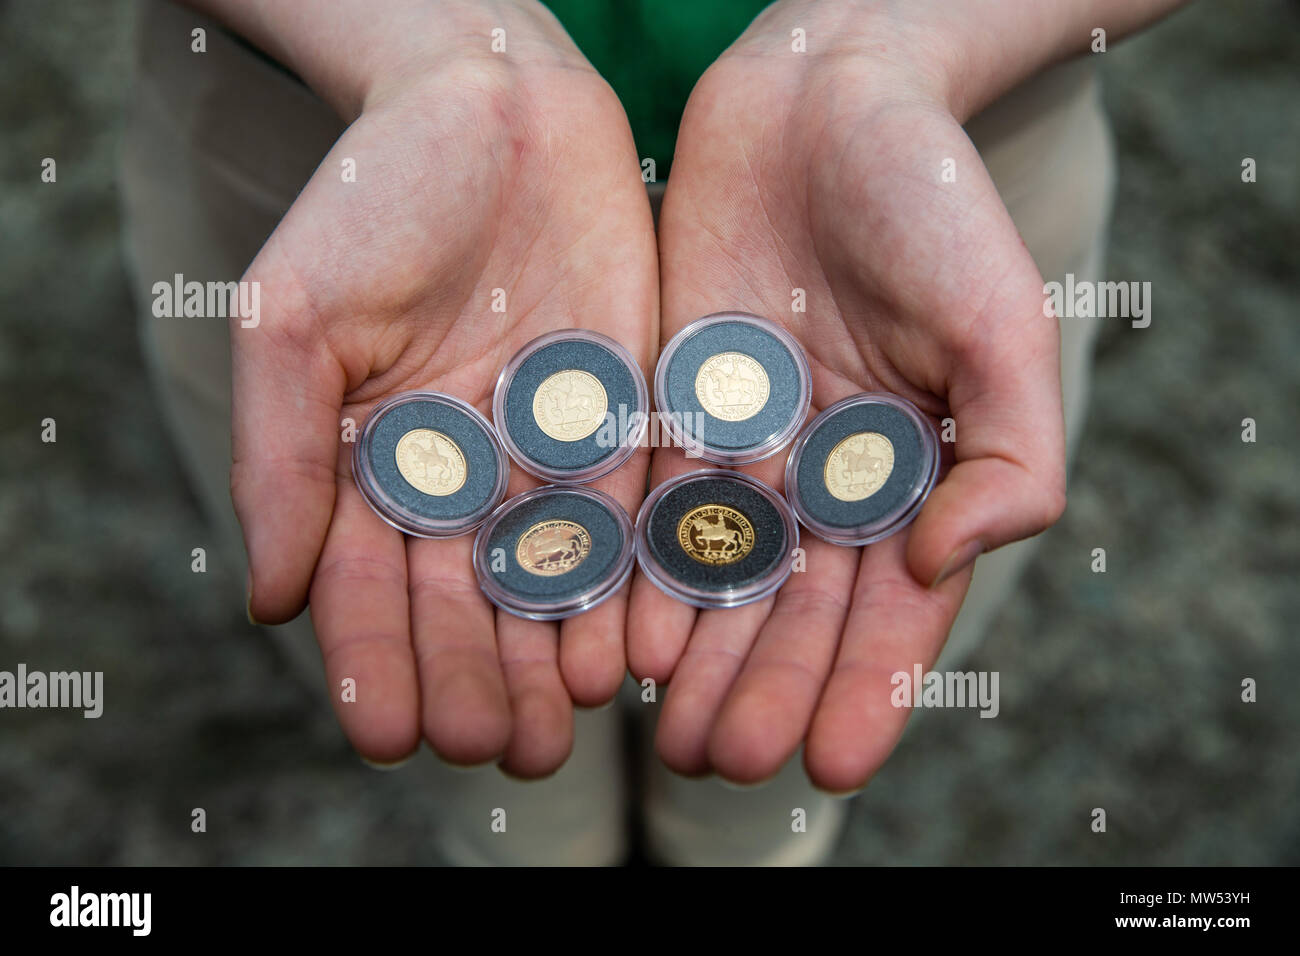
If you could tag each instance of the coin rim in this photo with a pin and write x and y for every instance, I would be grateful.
(840, 444)
(464, 464)
(729, 511)
(519, 543)
(762, 369)
(600, 418)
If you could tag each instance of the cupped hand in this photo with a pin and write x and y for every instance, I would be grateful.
(824, 172)
(479, 175)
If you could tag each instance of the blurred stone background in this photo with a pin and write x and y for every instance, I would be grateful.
(1119, 690)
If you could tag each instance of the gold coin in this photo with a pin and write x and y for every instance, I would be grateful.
(553, 547)
(715, 534)
(431, 462)
(859, 466)
(570, 405)
(732, 386)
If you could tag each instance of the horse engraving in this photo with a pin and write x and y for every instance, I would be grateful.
(552, 547)
(860, 466)
(432, 459)
(731, 383)
(712, 533)
(570, 404)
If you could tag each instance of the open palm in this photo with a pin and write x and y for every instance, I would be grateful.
(827, 175)
(479, 176)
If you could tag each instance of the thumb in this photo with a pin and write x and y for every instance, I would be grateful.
(1005, 397)
(286, 399)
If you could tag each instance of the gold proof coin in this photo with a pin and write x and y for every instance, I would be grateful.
(431, 462)
(859, 466)
(570, 405)
(732, 386)
(550, 548)
(715, 534)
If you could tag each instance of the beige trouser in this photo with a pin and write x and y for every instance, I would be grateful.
(217, 147)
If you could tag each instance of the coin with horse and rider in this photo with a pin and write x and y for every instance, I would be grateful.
(732, 388)
(571, 406)
(716, 538)
(861, 470)
(429, 464)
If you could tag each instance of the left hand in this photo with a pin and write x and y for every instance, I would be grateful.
(822, 172)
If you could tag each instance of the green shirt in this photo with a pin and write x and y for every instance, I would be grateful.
(652, 53)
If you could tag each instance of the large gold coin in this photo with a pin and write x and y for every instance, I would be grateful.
(859, 466)
(570, 405)
(715, 534)
(431, 462)
(553, 547)
(732, 386)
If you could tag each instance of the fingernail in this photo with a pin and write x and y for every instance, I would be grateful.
(958, 560)
(375, 764)
(248, 606)
(846, 794)
(462, 767)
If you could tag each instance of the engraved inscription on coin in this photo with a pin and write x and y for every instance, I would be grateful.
(431, 462)
(859, 466)
(570, 405)
(715, 534)
(732, 386)
(553, 547)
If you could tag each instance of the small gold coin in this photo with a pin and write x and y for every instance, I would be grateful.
(570, 405)
(431, 462)
(732, 386)
(859, 466)
(550, 548)
(715, 534)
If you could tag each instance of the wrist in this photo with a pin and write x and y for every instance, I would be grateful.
(354, 53)
(865, 45)
(461, 42)
(962, 55)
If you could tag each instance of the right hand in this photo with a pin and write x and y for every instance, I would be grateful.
(476, 171)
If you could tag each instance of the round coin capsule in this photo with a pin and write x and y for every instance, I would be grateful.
(429, 464)
(732, 388)
(571, 406)
(716, 538)
(554, 552)
(862, 468)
